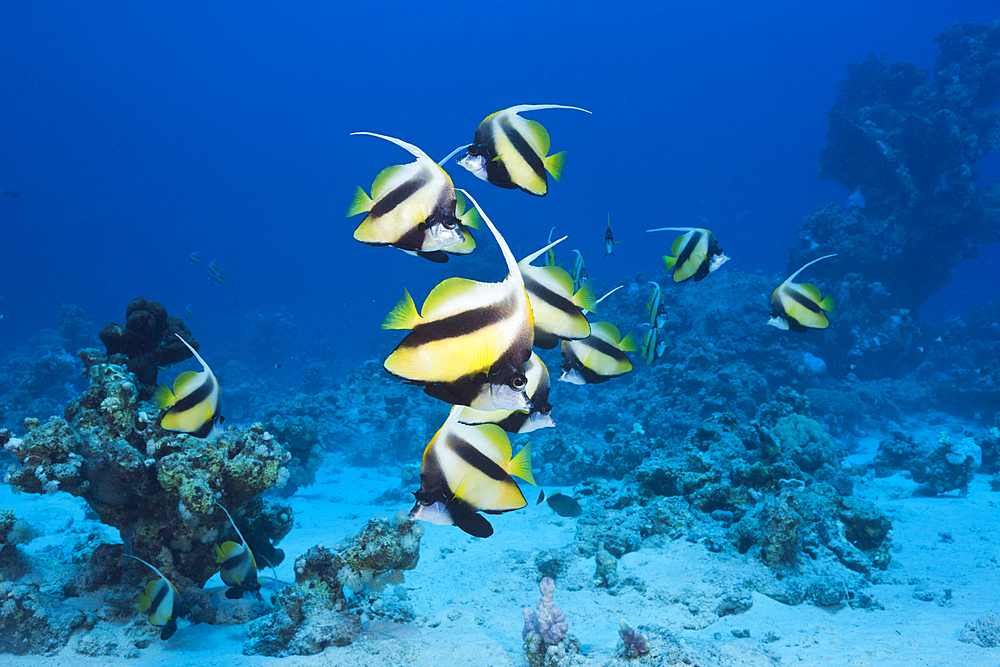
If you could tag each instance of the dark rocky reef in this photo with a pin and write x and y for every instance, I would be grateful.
(148, 341)
(907, 145)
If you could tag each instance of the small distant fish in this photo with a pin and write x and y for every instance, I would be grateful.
(277, 366)
(188, 313)
(466, 470)
(579, 270)
(652, 348)
(550, 256)
(471, 341)
(414, 207)
(239, 569)
(597, 358)
(555, 302)
(519, 421)
(161, 601)
(609, 239)
(195, 257)
(800, 306)
(195, 403)
(512, 152)
(12, 193)
(655, 304)
(694, 254)
(564, 505)
(213, 266)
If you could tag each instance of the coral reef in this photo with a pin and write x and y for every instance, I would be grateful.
(29, 623)
(148, 341)
(546, 642)
(332, 587)
(909, 146)
(634, 643)
(984, 631)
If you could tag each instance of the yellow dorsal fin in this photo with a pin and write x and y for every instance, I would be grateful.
(380, 185)
(675, 247)
(403, 315)
(605, 331)
(520, 465)
(554, 164)
(811, 291)
(538, 136)
(457, 293)
(146, 597)
(361, 203)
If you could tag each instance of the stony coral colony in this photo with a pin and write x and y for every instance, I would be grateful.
(471, 343)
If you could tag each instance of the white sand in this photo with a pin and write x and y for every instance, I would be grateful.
(468, 593)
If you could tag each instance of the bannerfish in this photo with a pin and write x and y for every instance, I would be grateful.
(609, 239)
(467, 470)
(414, 207)
(649, 345)
(195, 257)
(579, 270)
(188, 312)
(694, 254)
(512, 152)
(597, 358)
(563, 505)
(160, 600)
(800, 306)
(195, 403)
(555, 302)
(519, 421)
(239, 568)
(471, 341)
(655, 304)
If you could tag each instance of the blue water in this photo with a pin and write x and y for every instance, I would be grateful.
(138, 134)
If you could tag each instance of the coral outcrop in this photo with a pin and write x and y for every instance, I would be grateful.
(545, 634)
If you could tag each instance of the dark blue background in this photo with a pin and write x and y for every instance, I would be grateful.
(137, 135)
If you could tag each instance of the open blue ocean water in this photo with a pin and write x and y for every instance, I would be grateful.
(201, 155)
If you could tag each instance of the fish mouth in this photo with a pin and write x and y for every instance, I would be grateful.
(573, 376)
(474, 163)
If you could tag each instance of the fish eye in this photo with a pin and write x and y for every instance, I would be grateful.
(545, 410)
(473, 150)
(519, 382)
(449, 223)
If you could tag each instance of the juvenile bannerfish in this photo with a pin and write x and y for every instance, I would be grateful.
(609, 239)
(414, 207)
(195, 402)
(160, 600)
(471, 341)
(467, 470)
(694, 254)
(597, 358)
(579, 270)
(239, 569)
(512, 152)
(555, 302)
(519, 421)
(800, 306)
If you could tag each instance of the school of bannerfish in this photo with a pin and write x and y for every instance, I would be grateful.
(471, 343)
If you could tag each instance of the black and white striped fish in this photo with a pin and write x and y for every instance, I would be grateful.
(239, 568)
(471, 341)
(512, 152)
(467, 469)
(160, 601)
(195, 403)
(555, 303)
(414, 207)
(800, 306)
(519, 421)
(597, 358)
(694, 254)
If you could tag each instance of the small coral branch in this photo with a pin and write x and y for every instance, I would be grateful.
(545, 631)
(635, 643)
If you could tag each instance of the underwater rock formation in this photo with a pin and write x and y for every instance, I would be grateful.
(148, 341)
(160, 489)
(545, 633)
(332, 587)
(908, 146)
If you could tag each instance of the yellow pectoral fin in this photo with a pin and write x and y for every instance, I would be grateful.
(361, 203)
(554, 164)
(164, 397)
(403, 315)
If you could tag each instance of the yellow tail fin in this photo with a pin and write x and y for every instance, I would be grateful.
(361, 203)
(554, 164)
(404, 315)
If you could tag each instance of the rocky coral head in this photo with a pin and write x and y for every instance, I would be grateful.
(547, 620)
